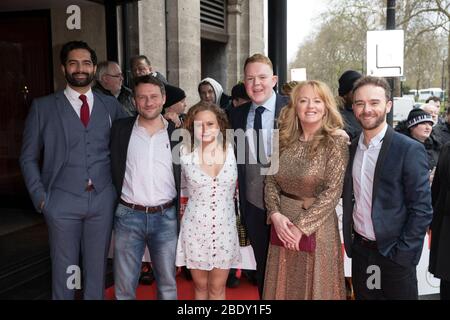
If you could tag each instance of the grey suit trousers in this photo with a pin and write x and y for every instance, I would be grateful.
(79, 223)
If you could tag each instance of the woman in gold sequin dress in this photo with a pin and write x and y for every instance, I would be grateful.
(302, 195)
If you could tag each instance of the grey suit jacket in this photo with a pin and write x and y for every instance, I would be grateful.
(46, 136)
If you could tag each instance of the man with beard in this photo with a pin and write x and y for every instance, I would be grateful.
(72, 185)
(386, 200)
(147, 181)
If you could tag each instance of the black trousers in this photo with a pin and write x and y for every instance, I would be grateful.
(258, 233)
(376, 277)
(445, 290)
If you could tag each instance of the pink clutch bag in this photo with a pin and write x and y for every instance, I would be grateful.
(307, 244)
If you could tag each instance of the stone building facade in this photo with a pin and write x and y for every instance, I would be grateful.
(181, 46)
(186, 40)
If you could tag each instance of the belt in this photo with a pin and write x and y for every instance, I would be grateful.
(291, 196)
(306, 202)
(148, 209)
(370, 244)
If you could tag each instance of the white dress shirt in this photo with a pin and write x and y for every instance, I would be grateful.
(149, 179)
(75, 101)
(363, 172)
(267, 119)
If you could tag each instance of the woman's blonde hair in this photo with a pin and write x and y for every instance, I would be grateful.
(289, 124)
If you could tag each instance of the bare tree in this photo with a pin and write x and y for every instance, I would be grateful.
(430, 21)
(340, 40)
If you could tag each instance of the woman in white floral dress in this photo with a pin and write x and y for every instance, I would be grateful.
(208, 243)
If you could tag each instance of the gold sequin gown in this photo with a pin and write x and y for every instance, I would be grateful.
(293, 275)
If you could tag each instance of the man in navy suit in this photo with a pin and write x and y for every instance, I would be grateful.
(386, 199)
(260, 115)
(69, 131)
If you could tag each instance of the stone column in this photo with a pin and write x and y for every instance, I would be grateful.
(234, 48)
(256, 26)
(152, 33)
(184, 46)
(251, 37)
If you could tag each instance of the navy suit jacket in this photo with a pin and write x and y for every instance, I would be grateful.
(401, 199)
(238, 120)
(46, 130)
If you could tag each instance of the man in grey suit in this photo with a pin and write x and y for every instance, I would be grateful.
(69, 131)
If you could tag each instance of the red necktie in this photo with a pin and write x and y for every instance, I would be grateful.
(84, 111)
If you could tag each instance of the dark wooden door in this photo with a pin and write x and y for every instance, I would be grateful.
(25, 73)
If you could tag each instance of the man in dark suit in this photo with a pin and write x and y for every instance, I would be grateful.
(147, 180)
(386, 200)
(260, 115)
(73, 188)
(346, 81)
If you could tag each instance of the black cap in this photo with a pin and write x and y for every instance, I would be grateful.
(346, 81)
(239, 91)
(417, 116)
(173, 95)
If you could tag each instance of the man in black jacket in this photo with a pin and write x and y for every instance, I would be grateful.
(346, 81)
(442, 130)
(147, 181)
(386, 200)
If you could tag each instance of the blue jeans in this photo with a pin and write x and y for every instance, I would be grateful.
(132, 231)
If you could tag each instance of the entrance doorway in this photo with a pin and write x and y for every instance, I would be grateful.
(25, 73)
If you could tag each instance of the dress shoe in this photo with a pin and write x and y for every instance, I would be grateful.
(251, 276)
(187, 273)
(232, 280)
(147, 277)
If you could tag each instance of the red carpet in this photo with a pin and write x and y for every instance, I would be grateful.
(245, 291)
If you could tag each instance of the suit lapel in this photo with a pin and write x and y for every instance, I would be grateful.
(100, 103)
(95, 113)
(170, 129)
(279, 104)
(353, 148)
(387, 140)
(176, 167)
(125, 136)
(349, 172)
(243, 120)
(348, 198)
(173, 144)
(64, 107)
